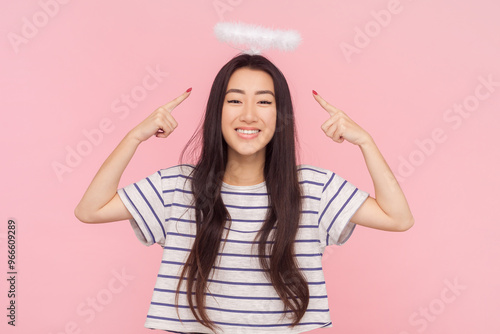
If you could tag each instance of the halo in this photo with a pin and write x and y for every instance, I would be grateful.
(254, 39)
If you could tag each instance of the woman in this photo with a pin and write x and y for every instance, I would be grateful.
(246, 190)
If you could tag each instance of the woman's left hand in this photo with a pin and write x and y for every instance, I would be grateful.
(339, 126)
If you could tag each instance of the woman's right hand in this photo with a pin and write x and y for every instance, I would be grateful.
(160, 123)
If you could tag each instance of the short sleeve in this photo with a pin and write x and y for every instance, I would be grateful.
(338, 202)
(144, 200)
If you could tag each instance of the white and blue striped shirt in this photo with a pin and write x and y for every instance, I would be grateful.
(241, 299)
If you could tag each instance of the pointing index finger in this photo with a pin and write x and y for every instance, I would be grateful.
(175, 102)
(328, 107)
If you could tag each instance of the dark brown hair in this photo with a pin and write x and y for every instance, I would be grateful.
(284, 195)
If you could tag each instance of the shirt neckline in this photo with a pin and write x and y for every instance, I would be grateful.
(252, 187)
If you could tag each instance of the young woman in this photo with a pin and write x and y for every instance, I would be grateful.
(244, 229)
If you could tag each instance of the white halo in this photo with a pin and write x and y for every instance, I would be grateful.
(255, 39)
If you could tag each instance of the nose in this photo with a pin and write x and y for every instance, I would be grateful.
(248, 113)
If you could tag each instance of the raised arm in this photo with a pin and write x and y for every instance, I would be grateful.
(101, 203)
(389, 210)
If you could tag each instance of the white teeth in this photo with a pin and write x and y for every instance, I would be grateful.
(248, 132)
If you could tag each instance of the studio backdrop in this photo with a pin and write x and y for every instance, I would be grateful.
(422, 77)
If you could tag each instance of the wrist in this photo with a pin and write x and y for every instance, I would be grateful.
(366, 142)
(132, 139)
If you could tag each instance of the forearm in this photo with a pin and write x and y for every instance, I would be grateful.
(388, 193)
(105, 183)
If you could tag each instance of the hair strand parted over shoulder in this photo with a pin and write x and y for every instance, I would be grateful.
(284, 194)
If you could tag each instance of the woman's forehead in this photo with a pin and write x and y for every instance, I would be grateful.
(250, 80)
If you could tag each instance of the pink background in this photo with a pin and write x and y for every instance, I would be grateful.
(66, 76)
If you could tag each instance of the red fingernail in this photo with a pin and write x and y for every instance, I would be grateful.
(189, 89)
(314, 92)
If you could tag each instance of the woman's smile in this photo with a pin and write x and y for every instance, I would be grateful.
(247, 133)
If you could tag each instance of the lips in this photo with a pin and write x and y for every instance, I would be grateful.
(246, 128)
(247, 132)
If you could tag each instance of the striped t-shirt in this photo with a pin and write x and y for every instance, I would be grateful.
(241, 300)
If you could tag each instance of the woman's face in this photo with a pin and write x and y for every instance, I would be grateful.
(248, 113)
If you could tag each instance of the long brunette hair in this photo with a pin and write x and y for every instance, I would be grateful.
(284, 195)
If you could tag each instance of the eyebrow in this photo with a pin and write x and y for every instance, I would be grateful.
(235, 90)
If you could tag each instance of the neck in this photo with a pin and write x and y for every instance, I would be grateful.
(244, 170)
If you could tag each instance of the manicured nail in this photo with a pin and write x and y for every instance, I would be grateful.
(314, 92)
(189, 89)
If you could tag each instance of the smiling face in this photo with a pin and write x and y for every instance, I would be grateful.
(248, 114)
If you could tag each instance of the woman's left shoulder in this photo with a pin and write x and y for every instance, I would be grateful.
(310, 172)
